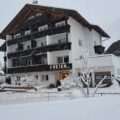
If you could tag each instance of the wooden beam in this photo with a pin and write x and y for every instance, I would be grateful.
(21, 20)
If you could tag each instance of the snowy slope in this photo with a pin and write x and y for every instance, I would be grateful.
(98, 108)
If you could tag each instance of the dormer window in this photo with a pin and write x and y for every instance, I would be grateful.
(38, 14)
(28, 32)
(42, 28)
(17, 36)
(31, 17)
(59, 24)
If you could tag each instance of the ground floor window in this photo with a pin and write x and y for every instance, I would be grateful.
(36, 77)
(17, 80)
(79, 74)
(45, 78)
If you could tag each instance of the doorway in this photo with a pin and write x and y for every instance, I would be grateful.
(63, 75)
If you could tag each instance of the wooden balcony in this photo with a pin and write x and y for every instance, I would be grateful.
(48, 48)
(39, 34)
(39, 68)
(99, 49)
(39, 21)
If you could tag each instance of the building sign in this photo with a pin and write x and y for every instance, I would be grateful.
(59, 67)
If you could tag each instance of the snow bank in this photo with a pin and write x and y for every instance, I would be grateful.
(100, 108)
(114, 88)
(75, 93)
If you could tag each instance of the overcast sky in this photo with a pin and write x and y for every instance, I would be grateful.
(104, 13)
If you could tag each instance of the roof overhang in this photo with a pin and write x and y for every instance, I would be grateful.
(3, 47)
(100, 31)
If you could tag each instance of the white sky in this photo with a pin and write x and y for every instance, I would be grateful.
(104, 13)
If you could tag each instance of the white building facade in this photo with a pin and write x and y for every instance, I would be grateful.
(45, 45)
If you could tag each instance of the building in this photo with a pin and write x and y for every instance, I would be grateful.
(114, 49)
(44, 42)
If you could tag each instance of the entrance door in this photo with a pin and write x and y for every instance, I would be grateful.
(63, 75)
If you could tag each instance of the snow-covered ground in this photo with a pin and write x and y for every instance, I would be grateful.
(64, 105)
(114, 88)
(45, 95)
(97, 108)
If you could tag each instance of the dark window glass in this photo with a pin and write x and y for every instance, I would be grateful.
(28, 47)
(47, 77)
(60, 60)
(36, 77)
(66, 59)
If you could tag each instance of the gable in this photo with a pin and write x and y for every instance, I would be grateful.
(29, 10)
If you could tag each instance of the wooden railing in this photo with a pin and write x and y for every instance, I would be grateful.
(39, 34)
(50, 48)
(36, 68)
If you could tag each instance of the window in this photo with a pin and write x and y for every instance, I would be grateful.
(118, 71)
(45, 78)
(27, 32)
(17, 35)
(59, 24)
(62, 40)
(28, 47)
(29, 62)
(43, 60)
(63, 59)
(42, 28)
(31, 17)
(43, 44)
(38, 14)
(80, 43)
(16, 49)
(36, 77)
(17, 80)
(95, 42)
(79, 74)
(60, 60)
(66, 59)
(81, 57)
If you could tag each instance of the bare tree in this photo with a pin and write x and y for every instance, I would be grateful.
(84, 80)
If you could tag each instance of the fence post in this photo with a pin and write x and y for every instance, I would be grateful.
(27, 97)
(48, 96)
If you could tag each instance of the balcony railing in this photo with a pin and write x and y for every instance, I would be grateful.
(35, 35)
(39, 68)
(48, 48)
(39, 21)
(99, 49)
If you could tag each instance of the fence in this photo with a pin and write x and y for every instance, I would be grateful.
(104, 94)
(26, 97)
